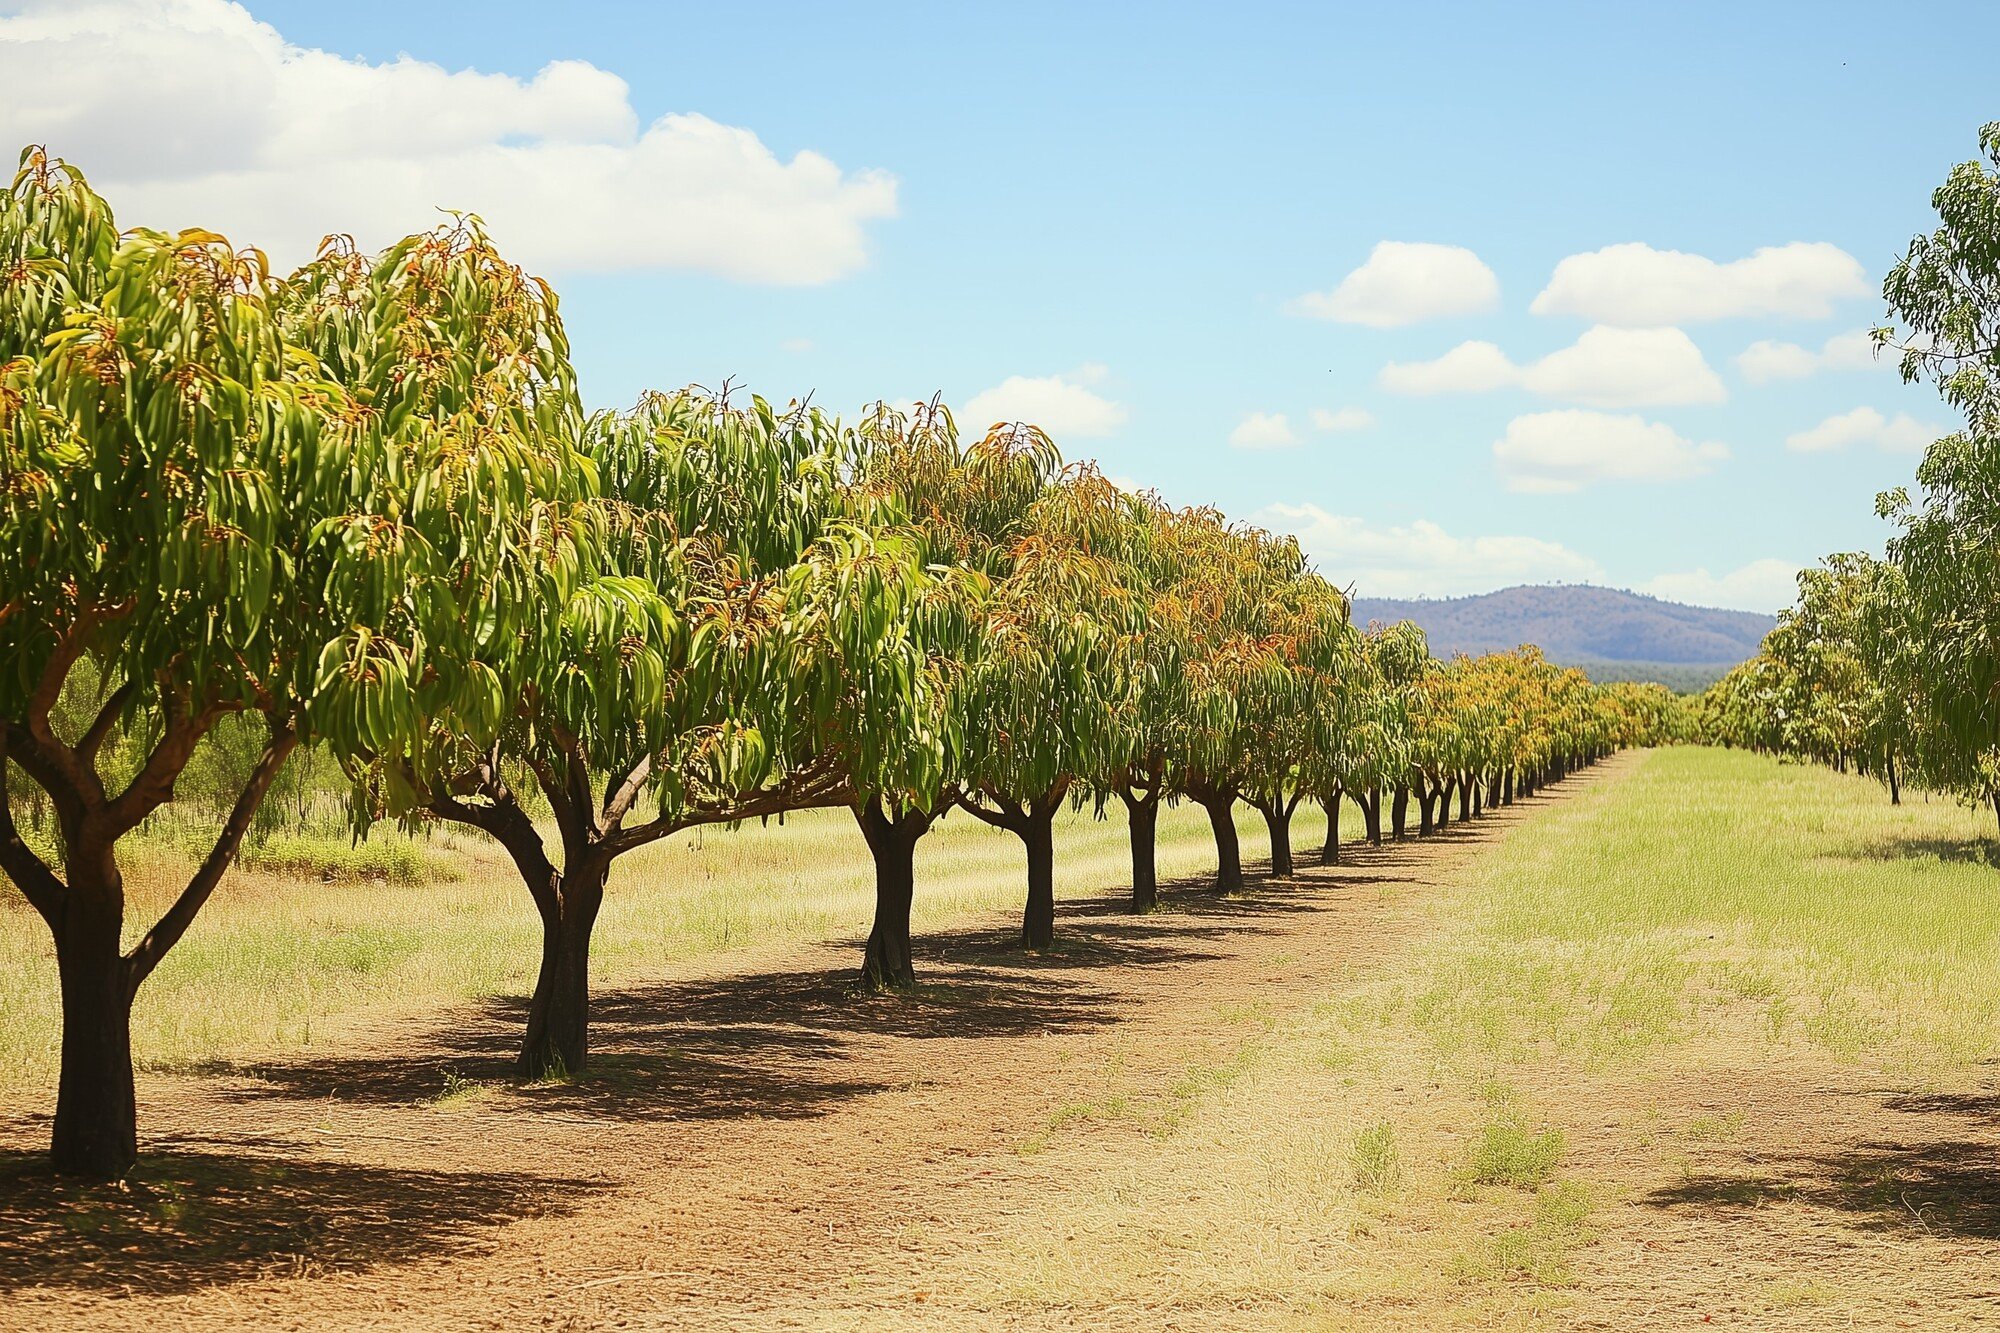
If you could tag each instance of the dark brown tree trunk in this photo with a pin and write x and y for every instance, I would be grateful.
(558, 1038)
(97, 1116)
(886, 962)
(1399, 811)
(1143, 824)
(1329, 851)
(1371, 815)
(1468, 795)
(1422, 791)
(1507, 793)
(1228, 855)
(1493, 791)
(1038, 918)
(1278, 822)
(1895, 784)
(1443, 819)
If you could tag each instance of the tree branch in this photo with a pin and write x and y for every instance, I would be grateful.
(1003, 816)
(816, 788)
(167, 931)
(618, 800)
(107, 718)
(38, 884)
(154, 785)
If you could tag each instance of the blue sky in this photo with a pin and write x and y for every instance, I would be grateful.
(1136, 222)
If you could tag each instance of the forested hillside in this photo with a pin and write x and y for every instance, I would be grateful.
(1584, 626)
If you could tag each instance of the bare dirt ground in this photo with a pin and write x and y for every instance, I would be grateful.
(760, 1148)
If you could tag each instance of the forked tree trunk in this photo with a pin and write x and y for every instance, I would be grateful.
(1143, 824)
(1444, 804)
(557, 1043)
(886, 961)
(1033, 822)
(1228, 854)
(97, 1117)
(1468, 796)
(1329, 851)
(1278, 823)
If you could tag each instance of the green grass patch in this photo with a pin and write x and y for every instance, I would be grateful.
(1713, 885)
(1378, 1164)
(1507, 1152)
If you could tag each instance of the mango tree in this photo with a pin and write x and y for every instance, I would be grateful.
(196, 508)
(720, 601)
(1048, 684)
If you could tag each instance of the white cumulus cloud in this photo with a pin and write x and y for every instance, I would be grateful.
(1564, 451)
(1767, 360)
(1900, 434)
(1636, 286)
(1063, 405)
(193, 113)
(1470, 367)
(1406, 282)
(1421, 559)
(1605, 367)
(1761, 585)
(1263, 430)
(1333, 421)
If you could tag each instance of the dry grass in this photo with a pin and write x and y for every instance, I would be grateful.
(282, 962)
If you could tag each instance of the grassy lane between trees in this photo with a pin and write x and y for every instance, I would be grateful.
(1705, 1043)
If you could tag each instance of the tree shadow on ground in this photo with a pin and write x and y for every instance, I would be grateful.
(1972, 851)
(183, 1221)
(772, 1045)
(1945, 1187)
(782, 1044)
(1981, 1105)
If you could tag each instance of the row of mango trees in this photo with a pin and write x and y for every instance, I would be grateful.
(1890, 665)
(362, 507)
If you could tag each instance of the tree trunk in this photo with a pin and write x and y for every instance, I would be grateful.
(1507, 792)
(886, 963)
(1143, 823)
(1422, 791)
(1228, 856)
(558, 1039)
(1468, 786)
(97, 1116)
(1895, 786)
(1399, 811)
(1493, 791)
(1038, 918)
(1371, 815)
(1443, 819)
(1329, 851)
(1278, 821)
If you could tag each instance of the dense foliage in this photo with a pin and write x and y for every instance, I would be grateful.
(1891, 666)
(358, 516)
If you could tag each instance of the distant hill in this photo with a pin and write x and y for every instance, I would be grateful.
(1613, 635)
